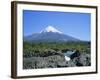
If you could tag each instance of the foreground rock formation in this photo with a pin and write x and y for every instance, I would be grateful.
(54, 58)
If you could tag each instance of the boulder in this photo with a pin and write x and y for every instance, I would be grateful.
(75, 54)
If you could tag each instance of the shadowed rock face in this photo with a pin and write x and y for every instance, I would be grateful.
(81, 59)
(75, 54)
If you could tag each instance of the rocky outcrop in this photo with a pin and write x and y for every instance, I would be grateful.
(56, 59)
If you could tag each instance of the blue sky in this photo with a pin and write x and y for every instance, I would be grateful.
(74, 24)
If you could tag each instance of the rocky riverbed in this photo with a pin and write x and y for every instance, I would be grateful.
(53, 58)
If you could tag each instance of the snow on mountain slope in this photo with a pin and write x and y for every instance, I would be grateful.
(50, 29)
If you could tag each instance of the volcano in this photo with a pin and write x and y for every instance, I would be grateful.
(49, 34)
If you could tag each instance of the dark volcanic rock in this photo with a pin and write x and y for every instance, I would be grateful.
(84, 59)
(75, 54)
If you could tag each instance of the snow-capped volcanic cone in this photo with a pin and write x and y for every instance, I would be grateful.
(49, 34)
(50, 29)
